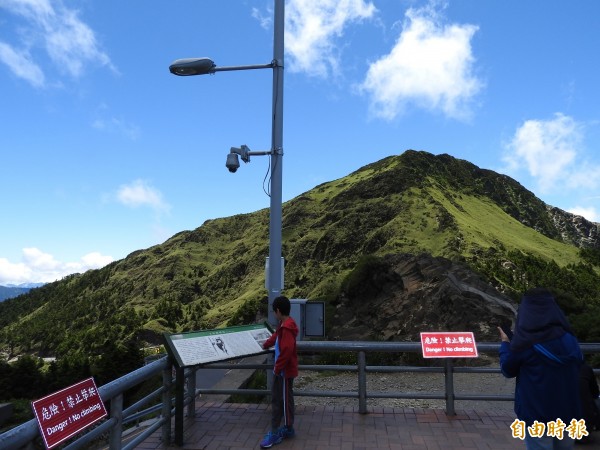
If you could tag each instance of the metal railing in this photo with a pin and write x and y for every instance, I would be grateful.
(24, 436)
(184, 389)
(361, 368)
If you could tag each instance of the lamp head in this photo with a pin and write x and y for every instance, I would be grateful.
(192, 66)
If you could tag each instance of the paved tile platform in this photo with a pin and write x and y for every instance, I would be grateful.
(242, 426)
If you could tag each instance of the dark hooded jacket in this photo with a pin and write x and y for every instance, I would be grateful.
(545, 357)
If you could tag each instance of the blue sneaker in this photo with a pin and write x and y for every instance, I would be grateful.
(270, 440)
(286, 432)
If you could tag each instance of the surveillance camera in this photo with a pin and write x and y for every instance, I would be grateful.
(232, 163)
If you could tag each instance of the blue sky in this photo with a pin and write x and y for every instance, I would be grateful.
(104, 152)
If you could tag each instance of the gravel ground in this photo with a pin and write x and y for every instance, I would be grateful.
(464, 383)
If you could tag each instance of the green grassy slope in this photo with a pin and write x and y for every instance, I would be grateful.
(412, 203)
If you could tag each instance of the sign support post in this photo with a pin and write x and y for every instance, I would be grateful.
(448, 345)
(179, 397)
(449, 378)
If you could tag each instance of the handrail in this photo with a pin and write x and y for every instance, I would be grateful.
(24, 435)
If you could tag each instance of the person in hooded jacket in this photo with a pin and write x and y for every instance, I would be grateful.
(544, 355)
(285, 370)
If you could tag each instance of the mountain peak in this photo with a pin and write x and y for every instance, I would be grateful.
(415, 203)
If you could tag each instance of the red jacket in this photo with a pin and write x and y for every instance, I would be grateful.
(284, 339)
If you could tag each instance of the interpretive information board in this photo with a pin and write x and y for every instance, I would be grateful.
(201, 347)
(448, 344)
(67, 412)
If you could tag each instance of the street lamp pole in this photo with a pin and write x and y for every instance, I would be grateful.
(203, 66)
(275, 270)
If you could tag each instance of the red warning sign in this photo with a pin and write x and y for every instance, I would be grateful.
(448, 344)
(67, 412)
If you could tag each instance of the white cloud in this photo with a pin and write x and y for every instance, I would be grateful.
(265, 20)
(40, 267)
(38, 260)
(547, 149)
(96, 259)
(431, 66)
(553, 153)
(590, 213)
(15, 273)
(20, 63)
(312, 28)
(70, 43)
(586, 175)
(140, 193)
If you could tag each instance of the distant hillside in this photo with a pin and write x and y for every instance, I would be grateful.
(489, 238)
(11, 291)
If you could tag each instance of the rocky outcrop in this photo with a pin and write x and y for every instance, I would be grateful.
(409, 294)
(575, 229)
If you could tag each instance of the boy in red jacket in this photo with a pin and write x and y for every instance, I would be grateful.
(285, 370)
